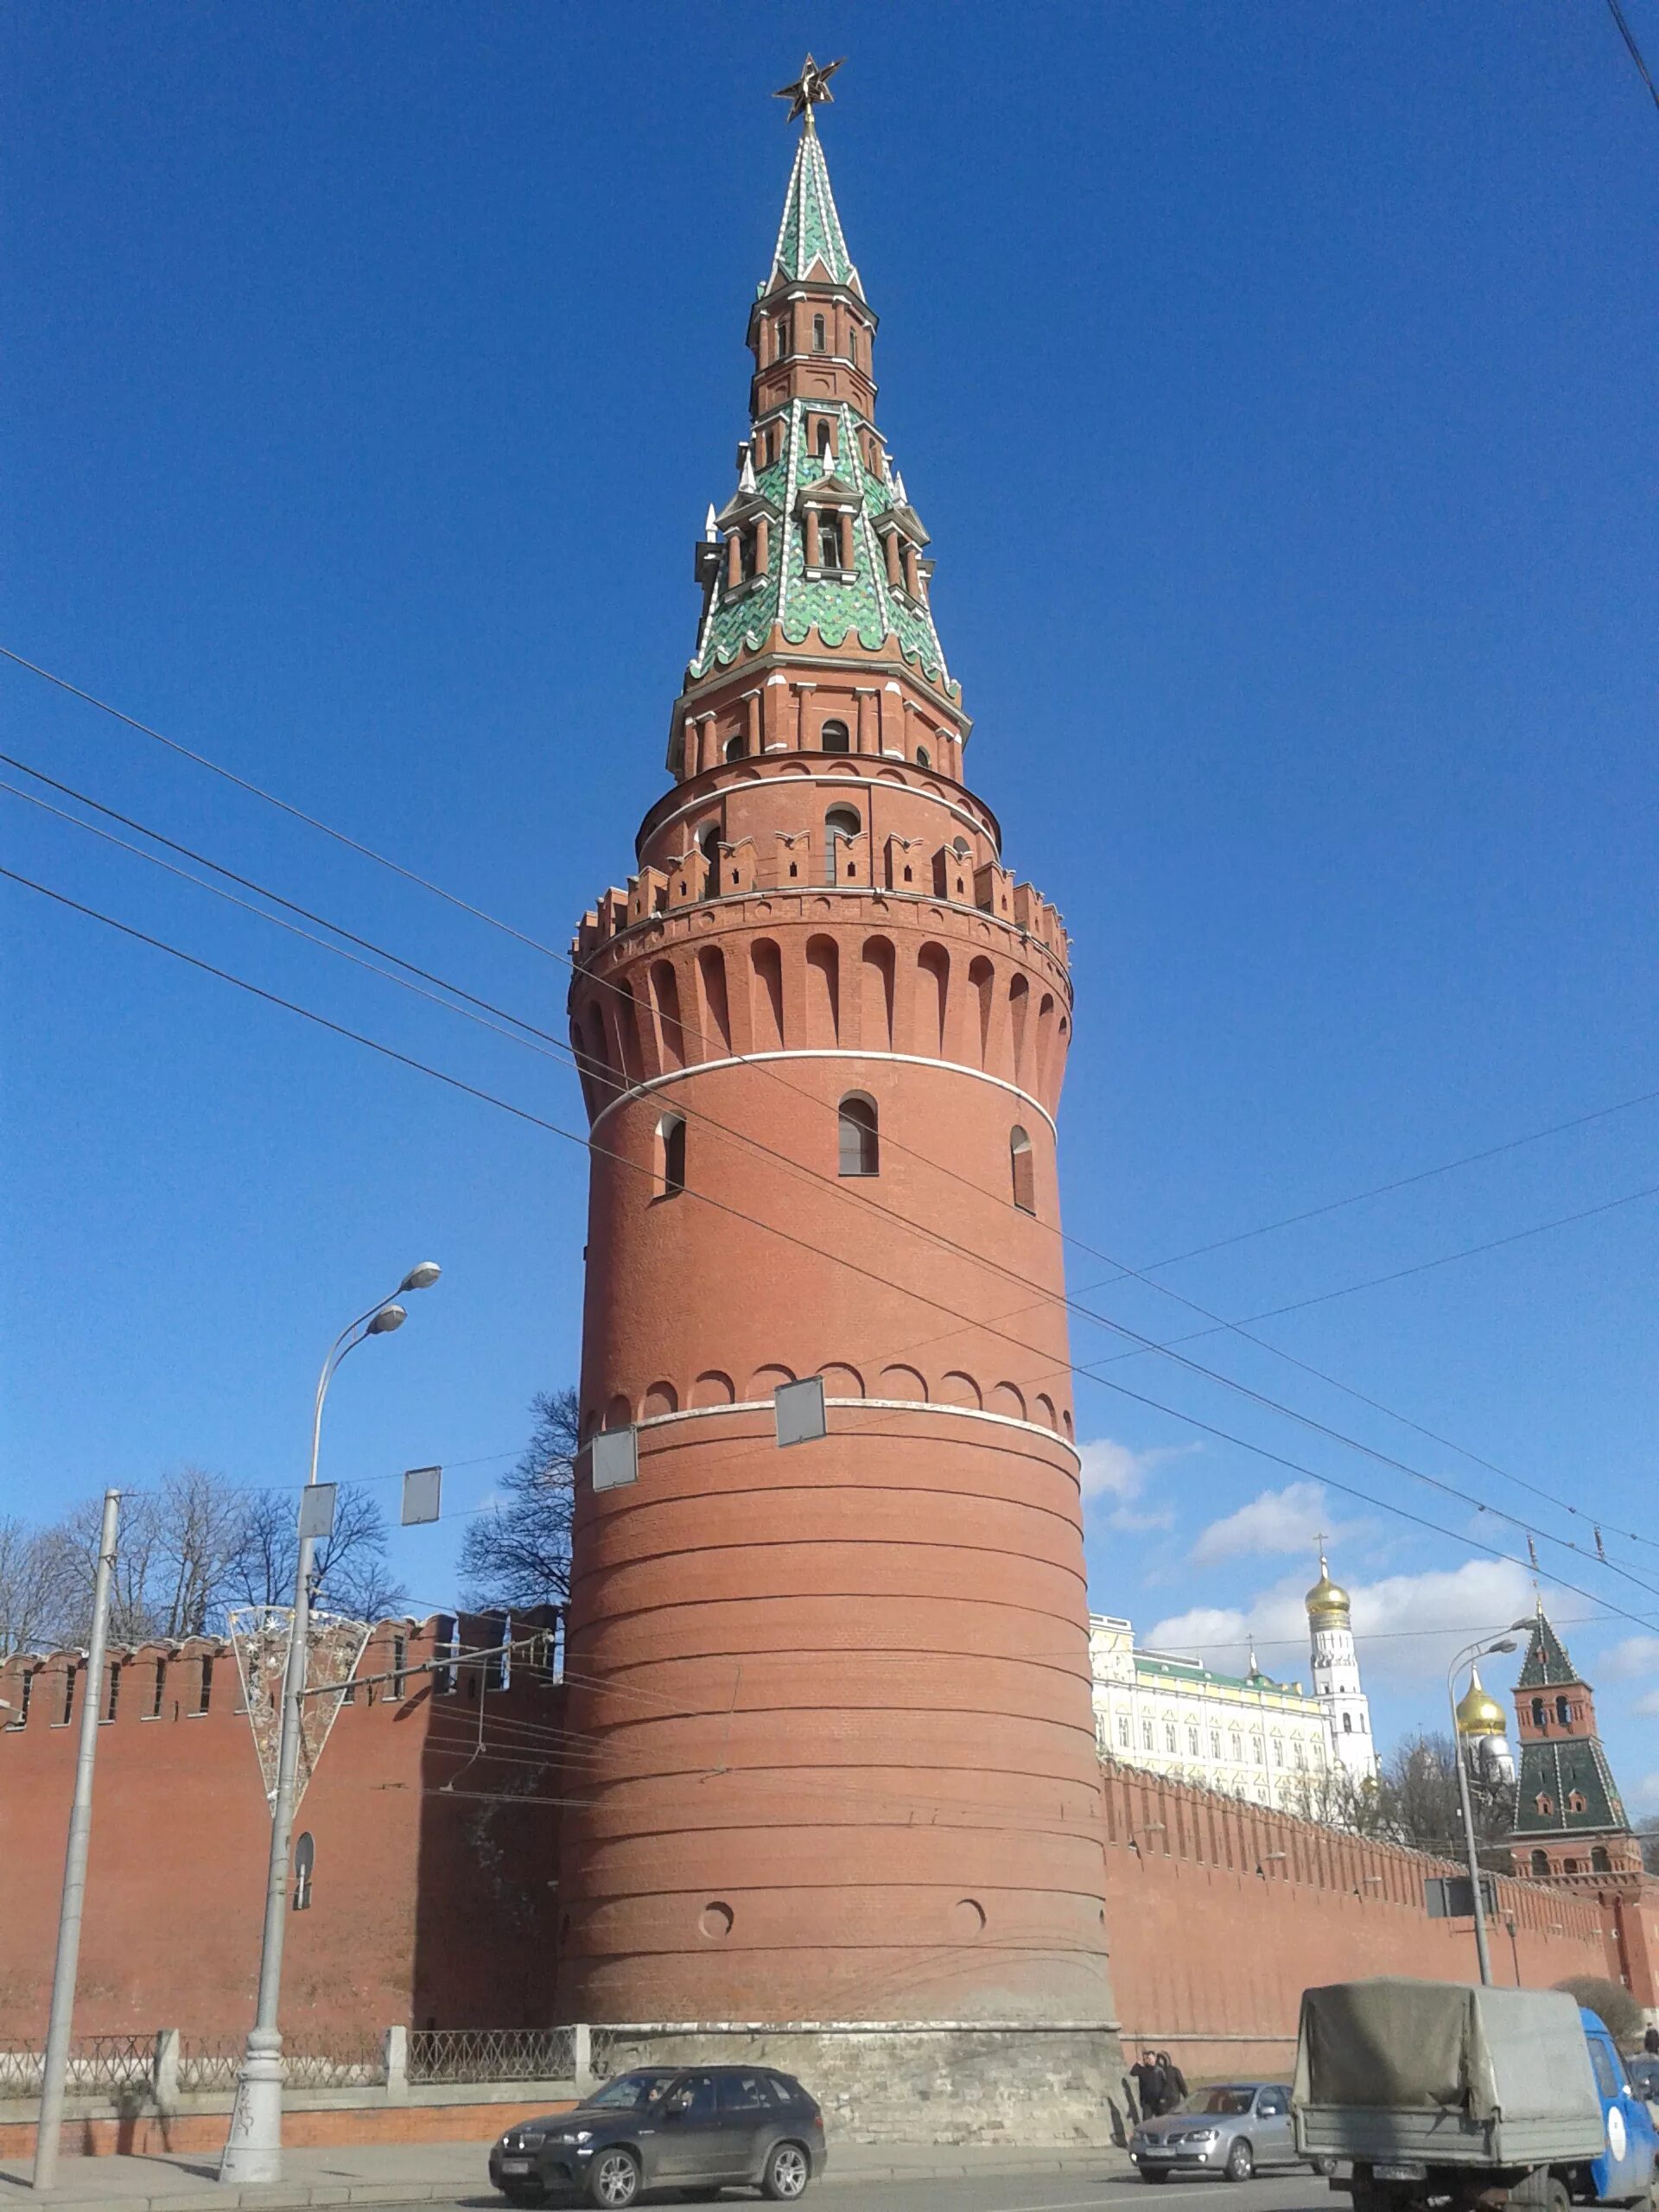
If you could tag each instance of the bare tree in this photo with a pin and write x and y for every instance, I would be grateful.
(350, 1569)
(201, 1521)
(39, 1574)
(1419, 1804)
(518, 1554)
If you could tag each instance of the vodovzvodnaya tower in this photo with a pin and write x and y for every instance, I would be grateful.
(833, 1752)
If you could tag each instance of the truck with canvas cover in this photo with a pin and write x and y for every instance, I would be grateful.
(1436, 2094)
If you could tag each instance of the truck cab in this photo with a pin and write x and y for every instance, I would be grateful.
(1627, 2169)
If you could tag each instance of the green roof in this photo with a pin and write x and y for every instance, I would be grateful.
(863, 605)
(1191, 1670)
(811, 231)
(1546, 1665)
(1555, 1768)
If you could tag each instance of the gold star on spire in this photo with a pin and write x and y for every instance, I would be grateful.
(811, 88)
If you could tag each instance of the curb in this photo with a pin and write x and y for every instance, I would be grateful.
(301, 2196)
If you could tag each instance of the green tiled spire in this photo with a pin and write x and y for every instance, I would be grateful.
(811, 231)
(1547, 1665)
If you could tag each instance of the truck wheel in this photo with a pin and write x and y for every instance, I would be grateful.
(1325, 2166)
(1241, 2163)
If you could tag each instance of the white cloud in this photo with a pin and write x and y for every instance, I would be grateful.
(1634, 1656)
(1647, 1706)
(1216, 1631)
(1646, 1795)
(1116, 1470)
(1409, 1626)
(1288, 1520)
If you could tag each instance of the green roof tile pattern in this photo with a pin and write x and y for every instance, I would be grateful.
(811, 231)
(862, 606)
(1553, 1770)
(1546, 1665)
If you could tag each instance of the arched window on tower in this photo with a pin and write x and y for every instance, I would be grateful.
(818, 334)
(841, 824)
(736, 748)
(305, 1861)
(835, 737)
(1600, 1861)
(922, 759)
(861, 1144)
(1022, 1169)
(1538, 1713)
(852, 345)
(671, 1156)
(1347, 1724)
(1540, 1864)
(709, 846)
(1564, 1711)
(823, 440)
(780, 346)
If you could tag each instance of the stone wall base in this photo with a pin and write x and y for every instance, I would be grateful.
(900, 2081)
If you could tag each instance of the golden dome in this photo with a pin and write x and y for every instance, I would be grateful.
(1478, 1714)
(1326, 1599)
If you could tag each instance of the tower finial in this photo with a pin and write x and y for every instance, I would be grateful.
(809, 90)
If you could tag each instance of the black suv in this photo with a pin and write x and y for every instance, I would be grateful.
(661, 2126)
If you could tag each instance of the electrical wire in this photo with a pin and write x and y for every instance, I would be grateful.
(562, 1054)
(1629, 37)
(525, 1115)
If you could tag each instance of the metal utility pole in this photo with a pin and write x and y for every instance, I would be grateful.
(253, 2149)
(50, 2125)
(1464, 1748)
(1481, 1951)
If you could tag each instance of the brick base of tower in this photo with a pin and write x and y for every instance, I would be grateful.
(922, 2081)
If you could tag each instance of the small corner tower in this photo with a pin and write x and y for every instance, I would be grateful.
(1568, 1819)
(830, 1706)
(1336, 1676)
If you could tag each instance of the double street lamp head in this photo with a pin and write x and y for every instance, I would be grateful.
(388, 1319)
(421, 1278)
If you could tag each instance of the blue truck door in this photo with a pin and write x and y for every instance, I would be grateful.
(1624, 2169)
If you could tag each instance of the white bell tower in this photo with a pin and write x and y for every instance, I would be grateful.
(1336, 1676)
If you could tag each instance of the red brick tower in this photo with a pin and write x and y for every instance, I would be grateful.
(832, 1707)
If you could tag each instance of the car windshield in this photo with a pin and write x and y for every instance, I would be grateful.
(1230, 2102)
(635, 2089)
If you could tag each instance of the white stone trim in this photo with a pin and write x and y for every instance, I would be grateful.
(878, 1404)
(901, 2027)
(842, 783)
(825, 1052)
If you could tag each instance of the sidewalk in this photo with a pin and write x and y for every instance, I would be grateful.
(425, 2173)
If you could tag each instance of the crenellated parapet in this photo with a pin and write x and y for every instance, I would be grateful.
(785, 970)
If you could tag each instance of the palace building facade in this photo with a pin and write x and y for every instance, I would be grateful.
(1247, 1736)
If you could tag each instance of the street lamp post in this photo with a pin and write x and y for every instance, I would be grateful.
(1480, 1649)
(253, 2150)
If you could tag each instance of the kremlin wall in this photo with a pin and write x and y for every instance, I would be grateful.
(435, 1814)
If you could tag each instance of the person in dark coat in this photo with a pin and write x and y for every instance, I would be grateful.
(1650, 2043)
(1152, 2081)
(1174, 2082)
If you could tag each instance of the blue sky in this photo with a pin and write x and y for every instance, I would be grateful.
(1274, 384)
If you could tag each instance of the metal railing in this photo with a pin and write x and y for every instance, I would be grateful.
(107, 2065)
(472, 2055)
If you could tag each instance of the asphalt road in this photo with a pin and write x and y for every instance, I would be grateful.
(1076, 2191)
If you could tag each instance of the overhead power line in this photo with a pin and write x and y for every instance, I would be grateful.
(557, 1049)
(1634, 51)
(533, 1120)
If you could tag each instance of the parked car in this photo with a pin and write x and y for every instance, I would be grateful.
(1231, 2131)
(695, 2127)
